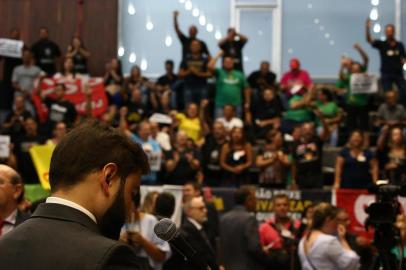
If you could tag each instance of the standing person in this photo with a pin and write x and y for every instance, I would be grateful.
(60, 109)
(60, 130)
(239, 236)
(235, 159)
(296, 80)
(357, 106)
(211, 150)
(231, 85)
(232, 46)
(79, 54)
(24, 77)
(138, 232)
(186, 41)
(182, 162)
(392, 154)
(280, 233)
(113, 81)
(91, 189)
(391, 113)
(169, 83)
(263, 78)
(325, 246)
(46, 52)
(273, 162)
(327, 107)
(307, 157)
(191, 122)
(356, 167)
(11, 194)
(192, 230)
(193, 70)
(14, 123)
(30, 138)
(393, 57)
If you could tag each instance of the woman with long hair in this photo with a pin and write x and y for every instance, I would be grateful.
(325, 246)
(356, 167)
(392, 155)
(113, 81)
(235, 159)
(79, 54)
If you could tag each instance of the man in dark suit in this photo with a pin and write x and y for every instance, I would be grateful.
(193, 232)
(11, 194)
(239, 235)
(94, 170)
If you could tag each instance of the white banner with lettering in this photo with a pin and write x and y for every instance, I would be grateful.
(364, 84)
(11, 47)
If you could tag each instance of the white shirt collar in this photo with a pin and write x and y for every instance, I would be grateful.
(195, 223)
(71, 204)
(11, 219)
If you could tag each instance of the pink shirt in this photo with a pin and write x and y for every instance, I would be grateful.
(296, 78)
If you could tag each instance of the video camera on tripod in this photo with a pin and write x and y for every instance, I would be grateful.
(382, 216)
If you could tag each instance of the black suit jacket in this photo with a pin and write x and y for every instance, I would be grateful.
(203, 247)
(21, 217)
(61, 237)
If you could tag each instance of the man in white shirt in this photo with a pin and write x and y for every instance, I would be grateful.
(11, 193)
(94, 171)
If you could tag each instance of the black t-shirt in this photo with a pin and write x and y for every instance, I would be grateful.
(186, 45)
(391, 56)
(136, 112)
(183, 171)
(45, 52)
(200, 64)
(211, 156)
(234, 49)
(80, 64)
(24, 161)
(165, 80)
(263, 110)
(17, 129)
(308, 156)
(60, 111)
(259, 81)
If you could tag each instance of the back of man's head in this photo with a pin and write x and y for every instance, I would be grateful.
(245, 196)
(88, 149)
(165, 205)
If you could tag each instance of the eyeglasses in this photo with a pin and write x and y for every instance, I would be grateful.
(201, 208)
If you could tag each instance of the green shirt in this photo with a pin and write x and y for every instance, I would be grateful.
(358, 100)
(300, 114)
(229, 87)
(329, 110)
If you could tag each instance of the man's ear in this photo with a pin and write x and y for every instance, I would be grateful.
(109, 172)
(18, 189)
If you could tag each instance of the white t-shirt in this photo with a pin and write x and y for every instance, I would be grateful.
(233, 123)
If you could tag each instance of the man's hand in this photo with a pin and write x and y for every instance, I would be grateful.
(123, 111)
(136, 238)
(175, 13)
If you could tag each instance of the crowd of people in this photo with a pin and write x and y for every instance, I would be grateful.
(214, 125)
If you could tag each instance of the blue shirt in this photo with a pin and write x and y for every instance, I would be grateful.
(154, 153)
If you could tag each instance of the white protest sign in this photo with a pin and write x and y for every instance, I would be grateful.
(363, 84)
(154, 159)
(4, 146)
(11, 47)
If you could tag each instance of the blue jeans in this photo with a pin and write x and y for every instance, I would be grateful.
(194, 94)
(387, 83)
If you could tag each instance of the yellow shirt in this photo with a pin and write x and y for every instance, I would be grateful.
(190, 126)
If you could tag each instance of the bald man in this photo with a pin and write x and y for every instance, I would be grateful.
(11, 194)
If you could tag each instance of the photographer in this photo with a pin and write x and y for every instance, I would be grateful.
(321, 249)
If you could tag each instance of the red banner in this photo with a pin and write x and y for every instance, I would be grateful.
(74, 93)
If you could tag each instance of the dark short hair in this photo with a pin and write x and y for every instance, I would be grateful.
(280, 196)
(327, 93)
(165, 205)
(169, 62)
(241, 195)
(88, 148)
(195, 184)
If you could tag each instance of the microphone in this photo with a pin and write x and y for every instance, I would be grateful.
(166, 230)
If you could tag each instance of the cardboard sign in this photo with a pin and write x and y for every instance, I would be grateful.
(364, 84)
(11, 47)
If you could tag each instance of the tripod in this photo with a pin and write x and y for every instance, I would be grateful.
(386, 237)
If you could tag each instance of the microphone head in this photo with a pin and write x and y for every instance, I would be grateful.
(165, 229)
